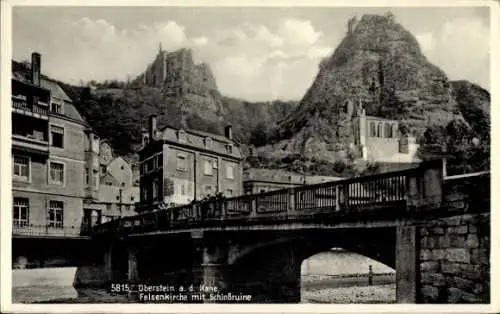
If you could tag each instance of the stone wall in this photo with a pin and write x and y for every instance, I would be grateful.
(454, 260)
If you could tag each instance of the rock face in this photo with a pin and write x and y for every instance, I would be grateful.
(474, 104)
(193, 85)
(177, 74)
(380, 66)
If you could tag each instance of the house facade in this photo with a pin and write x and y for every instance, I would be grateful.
(264, 180)
(119, 185)
(63, 176)
(179, 166)
(48, 156)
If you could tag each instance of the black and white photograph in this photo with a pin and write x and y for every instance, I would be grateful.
(161, 154)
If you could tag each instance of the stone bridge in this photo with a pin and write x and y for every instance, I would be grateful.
(433, 230)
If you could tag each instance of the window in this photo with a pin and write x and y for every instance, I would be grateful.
(21, 168)
(20, 215)
(56, 211)
(181, 136)
(144, 194)
(56, 107)
(56, 175)
(159, 161)
(108, 207)
(207, 167)
(229, 192)
(208, 143)
(156, 189)
(395, 130)
(183, 189)
(181, 162)
(230, 171)
(379, 130)
(103, 169)
(388, 130)
(87, 176)
(229, 149)
(57, 136)
(118, 197)
(123, 184)
(262, 190)
(131, 198)
(373, 131)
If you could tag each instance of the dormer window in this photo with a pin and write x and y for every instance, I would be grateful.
(56, 107)
(181, 136)
(229, 148)
(208, 143)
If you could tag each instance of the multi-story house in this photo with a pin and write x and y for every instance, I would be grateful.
(178, 166)
(119, 186)
(51, 146)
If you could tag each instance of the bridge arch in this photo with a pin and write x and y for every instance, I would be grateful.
(274, 266)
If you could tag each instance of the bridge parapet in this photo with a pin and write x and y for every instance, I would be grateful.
(398, 193)
(467, 192)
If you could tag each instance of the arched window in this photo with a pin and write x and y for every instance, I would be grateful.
(395, 131)
(208, 143)
(379, 130)
(373, 131)
(388, 130)
(181, 136)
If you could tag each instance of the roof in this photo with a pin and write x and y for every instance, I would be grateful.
(203, 134)
(196, 139)
(23, 74)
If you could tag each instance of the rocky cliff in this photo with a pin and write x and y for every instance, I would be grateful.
(378, 64)
(183, 81)
(474, 104)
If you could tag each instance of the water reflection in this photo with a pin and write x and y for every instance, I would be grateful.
(319, 283)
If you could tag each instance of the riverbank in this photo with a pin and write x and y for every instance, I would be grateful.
(382, 294)
(378, 294)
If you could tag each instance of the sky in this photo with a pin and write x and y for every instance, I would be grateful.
(256, 54)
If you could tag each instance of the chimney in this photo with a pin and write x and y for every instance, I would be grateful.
(228, 132)
(152, 128)
(35, 68)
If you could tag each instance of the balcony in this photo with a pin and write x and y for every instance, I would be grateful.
(21, 230)
(38, 110)
(30, 144)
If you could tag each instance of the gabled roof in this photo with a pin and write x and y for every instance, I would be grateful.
(203, 134)
(22, 73)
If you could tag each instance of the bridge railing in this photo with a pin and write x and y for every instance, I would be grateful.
(354, 194)
(31, 230)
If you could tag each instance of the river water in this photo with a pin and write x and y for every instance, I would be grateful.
(56, 284)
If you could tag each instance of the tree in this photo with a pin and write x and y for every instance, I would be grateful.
(466, 151)
(260, 135)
